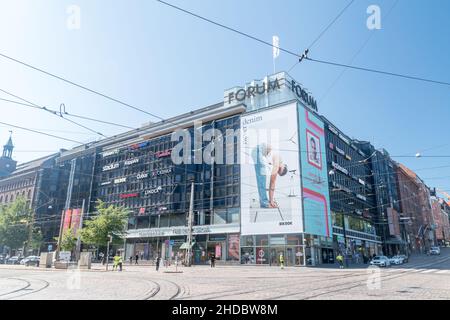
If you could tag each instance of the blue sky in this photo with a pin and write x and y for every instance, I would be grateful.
(168, 63)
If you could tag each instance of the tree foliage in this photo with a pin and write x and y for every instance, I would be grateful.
(110, 220)
(37, 239)
(68, 240)
(15, 223)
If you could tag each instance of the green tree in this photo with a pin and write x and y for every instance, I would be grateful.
(68, 240)
(15, 223)
(110, 220)
(37, 239)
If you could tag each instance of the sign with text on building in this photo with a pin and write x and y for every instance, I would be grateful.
(271, 90)
(182, 231)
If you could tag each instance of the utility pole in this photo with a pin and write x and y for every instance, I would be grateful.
(79, 228)
(107, 251)
(73, 164)
(345, 239)
(189, 223)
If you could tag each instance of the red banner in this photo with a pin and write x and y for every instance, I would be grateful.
(76, 218)
(67, 219)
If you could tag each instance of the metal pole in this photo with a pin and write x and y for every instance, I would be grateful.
(107, 253)
(345, 239)
(79, 228)
(189, 235)
(63, 216)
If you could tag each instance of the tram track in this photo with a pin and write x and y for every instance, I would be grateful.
(233, 292)
(29, 284)
(355, 284)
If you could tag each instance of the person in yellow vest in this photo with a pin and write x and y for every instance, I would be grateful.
(340, 260)
(281, 261)
(117, 262)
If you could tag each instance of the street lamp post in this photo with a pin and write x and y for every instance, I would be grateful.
(107, 251)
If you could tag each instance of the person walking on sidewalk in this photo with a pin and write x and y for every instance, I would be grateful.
(213, 260)
(158, 261)
(131, 260)
(120, 263)
(281, 261)
(117, 262)
(340, 260)
(136, 259)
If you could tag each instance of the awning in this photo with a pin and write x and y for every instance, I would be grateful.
(185, 246)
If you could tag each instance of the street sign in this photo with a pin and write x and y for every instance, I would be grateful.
(65, 256)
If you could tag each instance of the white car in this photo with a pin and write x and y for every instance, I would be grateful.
(30, 260)
(381, 261)
(435, 251)
(396, 260)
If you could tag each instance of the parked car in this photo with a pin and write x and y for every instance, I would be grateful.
(404, 257)
(31, 261)
(381, 261)
(435, 251)
(396, 260)
(14, 260)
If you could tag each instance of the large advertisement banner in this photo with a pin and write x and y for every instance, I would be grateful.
(233, 246)
(76, 218)
(270, 182)
(316, 198)
(67, 219)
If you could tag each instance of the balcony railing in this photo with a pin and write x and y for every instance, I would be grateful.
(356, 234)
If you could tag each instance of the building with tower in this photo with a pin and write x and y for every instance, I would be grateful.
(7, 164)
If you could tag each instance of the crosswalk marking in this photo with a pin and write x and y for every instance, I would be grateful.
(429, 271)
(443, 271)
(419, 270)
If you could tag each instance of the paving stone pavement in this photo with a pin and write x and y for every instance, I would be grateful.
(425, 277)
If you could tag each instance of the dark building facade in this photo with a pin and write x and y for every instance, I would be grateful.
(388, 219)
(352, 196)
(140, 175)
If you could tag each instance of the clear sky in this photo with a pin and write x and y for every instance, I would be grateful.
(168, 63)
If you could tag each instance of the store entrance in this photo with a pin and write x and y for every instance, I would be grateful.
(327, 256)
(294, 256)
(275, 253)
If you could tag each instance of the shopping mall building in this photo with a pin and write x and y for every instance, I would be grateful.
(262, 164)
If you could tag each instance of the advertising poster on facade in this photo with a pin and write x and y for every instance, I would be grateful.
(67, 219)
(316, 199)
(233, 246)
(76, 219)
(270, 183)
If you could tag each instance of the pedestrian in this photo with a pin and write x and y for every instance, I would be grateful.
(281, 261)
(340, 260)
(137, 258)
(158, 260)
(116, 260)
(213, 260)
(131, 260)
(120, 263)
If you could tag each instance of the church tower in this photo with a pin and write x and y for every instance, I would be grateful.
(7, 164)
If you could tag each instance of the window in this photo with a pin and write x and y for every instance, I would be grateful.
(220, 216)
